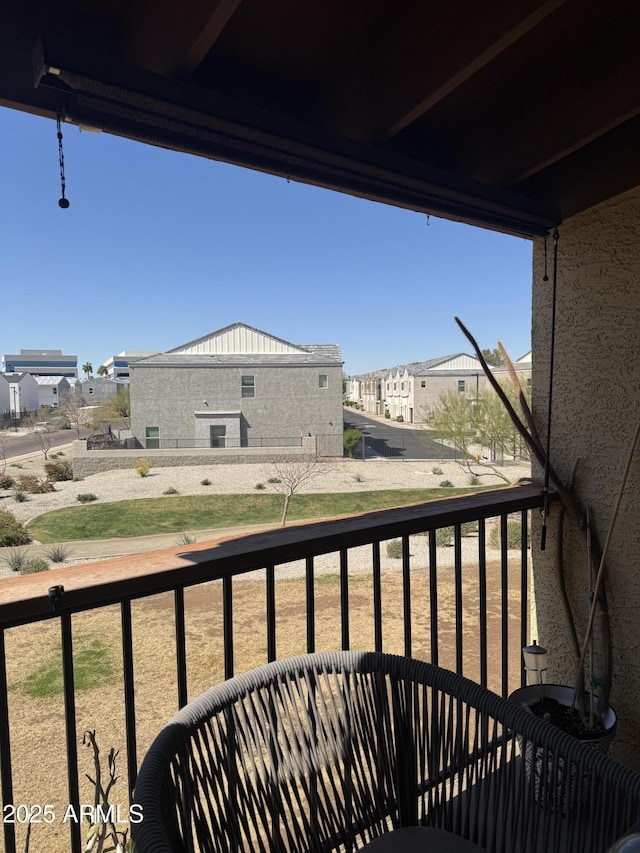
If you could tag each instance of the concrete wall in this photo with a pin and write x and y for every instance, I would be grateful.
(596, 408)
(87, 462)
(288, 401)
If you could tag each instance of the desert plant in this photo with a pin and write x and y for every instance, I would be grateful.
(444, 536)
(185, 539)
(473, 479)
(514, 536)
(34, 566)
(205, 482)
(16, 465)
(143, 466)
(86, 497)
(34, 485)
(437, 471)
(446, 484)
(274, 480)
(57, 553)
(19, 496)
(58, 471)
(5, 481)
(12, 531)
(259, 486)
(15, 560)
(394, 549)
(358, 478)
(170, 491)
(350, 440)
(103, 830)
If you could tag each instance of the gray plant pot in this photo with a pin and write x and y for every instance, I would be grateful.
(568, 789)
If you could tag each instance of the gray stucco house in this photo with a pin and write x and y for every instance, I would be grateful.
(238, 387)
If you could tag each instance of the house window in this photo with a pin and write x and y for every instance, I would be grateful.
(217, 435)
(248, 386)
(395, 385)
(152, 438)
(323, 380)
(55, 390)
(90, 390)
(461, 386)
(402, 386)
(529, 382)
(423, 383)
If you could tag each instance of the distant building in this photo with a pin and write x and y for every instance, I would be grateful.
(18, 394)
(98, 389)
(118, 365)
(52, 390)
(239, 387)
(41, 362)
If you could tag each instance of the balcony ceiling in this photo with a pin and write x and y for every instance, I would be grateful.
(513, 114)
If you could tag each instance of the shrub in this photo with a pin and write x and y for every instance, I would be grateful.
(394, 549)
(170, 491)
(387, 414)
(5, 481)
(436, 470)
(58, 471)
(350, 440)
(33, 485)
(20, 497)
(34, 565)
(473, 479)
(514, 536)
(57, 553)
(446, 484)
(185, 539)
(274, 480)
(205, 482)
(12, 531)
(86, 497)
(260, 486)
(444, 536)
(16, 465)
(142, 466)
(468, 527)
(15, 560)
(358, 478)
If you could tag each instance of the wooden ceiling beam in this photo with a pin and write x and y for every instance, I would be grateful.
(173, 38)
(423, 66)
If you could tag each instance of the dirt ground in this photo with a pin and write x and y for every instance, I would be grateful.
(38, 749)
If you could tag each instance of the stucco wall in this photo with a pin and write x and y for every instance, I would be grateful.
(596, 407)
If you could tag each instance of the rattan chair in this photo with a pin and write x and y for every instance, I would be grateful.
(328, 751)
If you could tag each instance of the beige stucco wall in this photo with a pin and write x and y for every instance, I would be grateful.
(596, 408)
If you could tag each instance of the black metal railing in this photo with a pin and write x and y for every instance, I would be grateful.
(453, 591)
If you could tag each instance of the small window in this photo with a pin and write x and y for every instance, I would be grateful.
(248, 386)
(529, 382)
(55, 390)
(423, 383)
(461, 386)
(152, 438)
(218, 436)
(395, 385)
(90, 390)
(402, 386)
(323, 381)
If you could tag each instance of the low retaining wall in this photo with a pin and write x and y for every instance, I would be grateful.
(87, 462)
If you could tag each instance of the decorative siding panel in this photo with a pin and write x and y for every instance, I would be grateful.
(239, 340)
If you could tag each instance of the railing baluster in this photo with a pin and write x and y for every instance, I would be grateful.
(181, 647)
(406, 594)
(227, 621)
(433, 595)
(5, 750)
(311, 606)
(271, 613)
(129, 694)
(524, 602)
(377, 597)
(504, 582)
(457, 546)
(70, 726)
(482, 599)
(344, 598)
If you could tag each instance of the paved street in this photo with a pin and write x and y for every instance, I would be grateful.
(385, 438)
(28, 442)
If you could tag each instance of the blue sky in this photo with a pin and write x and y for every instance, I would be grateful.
(159, 248)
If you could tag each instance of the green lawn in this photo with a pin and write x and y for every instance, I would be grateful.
(180, 513)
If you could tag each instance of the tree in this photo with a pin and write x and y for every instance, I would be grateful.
(73, 409)
(350, 440)
(468, 424)
(289, 474)
(43, 431)
(493, 357)
(102, 370)
(87, 369)
(118, 406)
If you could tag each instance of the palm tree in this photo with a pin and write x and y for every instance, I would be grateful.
(102, 370)
(87, 368)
